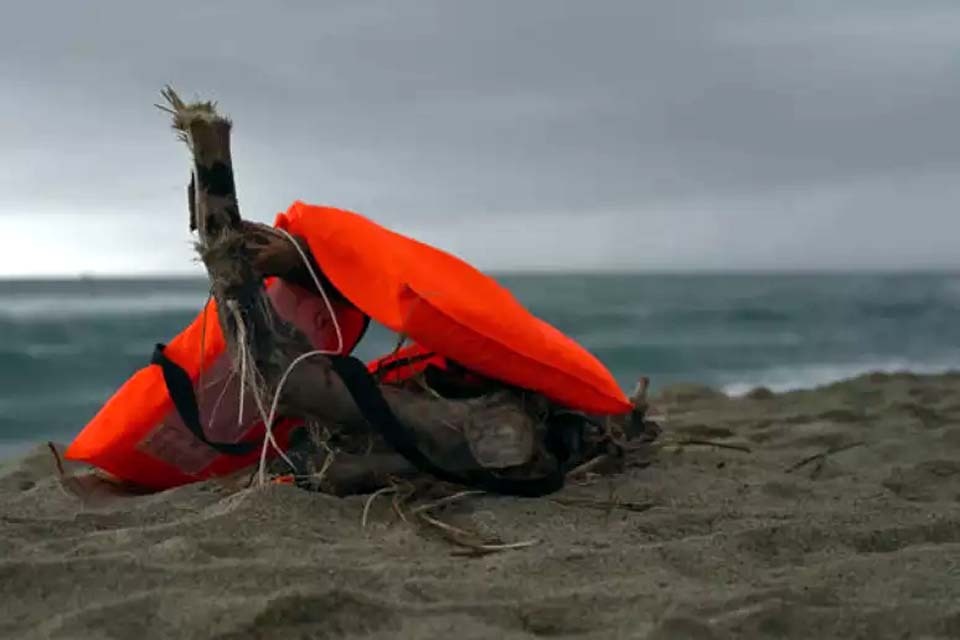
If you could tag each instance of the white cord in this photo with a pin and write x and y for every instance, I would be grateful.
(323, 293)
(268, 420)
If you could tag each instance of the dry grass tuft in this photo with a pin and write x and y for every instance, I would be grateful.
(186, 113)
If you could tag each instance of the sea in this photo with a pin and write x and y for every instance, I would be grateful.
(67, 345)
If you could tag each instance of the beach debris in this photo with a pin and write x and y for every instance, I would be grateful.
(819, 458)
(543, 408)
(699, 442)
(473, 545)
(605, 505)
(369, 503)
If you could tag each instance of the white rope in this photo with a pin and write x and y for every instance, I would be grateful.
(268, 420)
(323, 293)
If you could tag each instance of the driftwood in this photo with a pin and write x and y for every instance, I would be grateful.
(238, 255)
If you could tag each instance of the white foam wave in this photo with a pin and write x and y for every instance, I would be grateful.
(77, 306)
(809, 376)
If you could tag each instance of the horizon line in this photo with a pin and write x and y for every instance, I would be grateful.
(533, 271)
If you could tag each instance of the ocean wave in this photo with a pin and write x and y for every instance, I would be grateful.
(628, 338)
(74, 306)
(12, 405)
(809, 376)
(41, 351)
(951, 288)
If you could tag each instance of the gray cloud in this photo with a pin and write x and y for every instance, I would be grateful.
(750, 134)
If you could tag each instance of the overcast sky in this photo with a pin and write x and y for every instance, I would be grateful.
(515, 133)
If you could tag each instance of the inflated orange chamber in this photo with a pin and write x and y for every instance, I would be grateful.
(451, 308)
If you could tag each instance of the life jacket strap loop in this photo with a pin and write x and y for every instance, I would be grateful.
(180, 390)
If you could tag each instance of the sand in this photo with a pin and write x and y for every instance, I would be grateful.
(861, 543)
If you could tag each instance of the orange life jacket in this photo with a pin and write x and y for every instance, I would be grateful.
(440, 302)
(140, 436)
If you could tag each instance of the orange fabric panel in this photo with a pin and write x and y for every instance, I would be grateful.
(448, 306)
(110, 440)
(118, 438)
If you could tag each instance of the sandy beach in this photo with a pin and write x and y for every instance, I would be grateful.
(773, 542)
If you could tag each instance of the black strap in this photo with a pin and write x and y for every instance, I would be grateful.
(386, 367)
(375, 410)
(184, 399)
